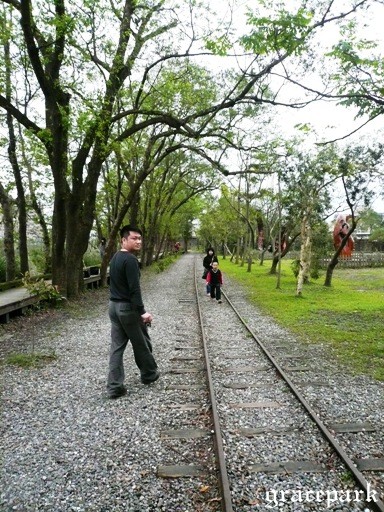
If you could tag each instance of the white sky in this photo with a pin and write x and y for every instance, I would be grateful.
(328, 120)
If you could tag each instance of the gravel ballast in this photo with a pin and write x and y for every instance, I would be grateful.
(66, 447)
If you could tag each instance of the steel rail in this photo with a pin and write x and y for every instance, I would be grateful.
(226, 503)
(358, 476)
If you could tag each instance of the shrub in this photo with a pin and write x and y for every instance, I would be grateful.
(46, 291)
(37, 259)
(314, 271)
(3, 265)
(295, 266)
(91, 258)
(160, 265)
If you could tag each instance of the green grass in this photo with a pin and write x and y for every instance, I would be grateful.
(29, 360)
(348, 316)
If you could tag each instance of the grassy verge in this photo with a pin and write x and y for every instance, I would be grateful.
(348, 316)
(30, 360)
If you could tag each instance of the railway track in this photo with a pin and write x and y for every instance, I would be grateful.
(242, 419)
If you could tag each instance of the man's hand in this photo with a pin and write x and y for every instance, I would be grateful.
(147, 318)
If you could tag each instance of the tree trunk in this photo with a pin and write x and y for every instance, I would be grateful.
(237, 257)
(162, 247)
(59, 223)
(21, 205)
(150, 223)
(80, 218)
(330, 268)
(44, 228)
(148, 252)
(249, 261)
(335, 258)
(57, 125)
(9, 241)
(262, 257)
(275, 260)
(305, 255)
(134, 208)
(38, 210)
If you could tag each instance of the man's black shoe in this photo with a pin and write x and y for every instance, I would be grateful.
(118, 394)
(146, 381)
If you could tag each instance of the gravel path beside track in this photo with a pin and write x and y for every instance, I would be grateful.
(67, 448)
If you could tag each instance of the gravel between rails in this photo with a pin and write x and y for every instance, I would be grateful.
(65, 447)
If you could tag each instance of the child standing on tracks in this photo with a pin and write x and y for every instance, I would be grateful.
(215, 281)
(207, 264)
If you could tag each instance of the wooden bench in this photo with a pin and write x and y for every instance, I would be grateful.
(15, 301)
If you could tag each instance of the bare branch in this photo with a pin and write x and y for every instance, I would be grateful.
(349, 134)
(23, 119)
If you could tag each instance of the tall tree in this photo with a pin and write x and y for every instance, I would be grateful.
(307, 179)
(355, 172)
(70, 45)
(12, 155)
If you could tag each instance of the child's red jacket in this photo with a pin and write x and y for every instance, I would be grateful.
(214, 277)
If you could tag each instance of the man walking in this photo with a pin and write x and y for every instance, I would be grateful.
(128, 316)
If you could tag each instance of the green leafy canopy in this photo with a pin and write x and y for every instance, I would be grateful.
(287, 32)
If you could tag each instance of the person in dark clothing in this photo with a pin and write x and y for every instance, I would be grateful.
(207, 264)
(128, 316)
(102, 247)
(215, 281)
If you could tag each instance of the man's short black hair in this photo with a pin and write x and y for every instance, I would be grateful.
(126, 230)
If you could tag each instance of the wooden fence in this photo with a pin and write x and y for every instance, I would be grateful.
(358, 260)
